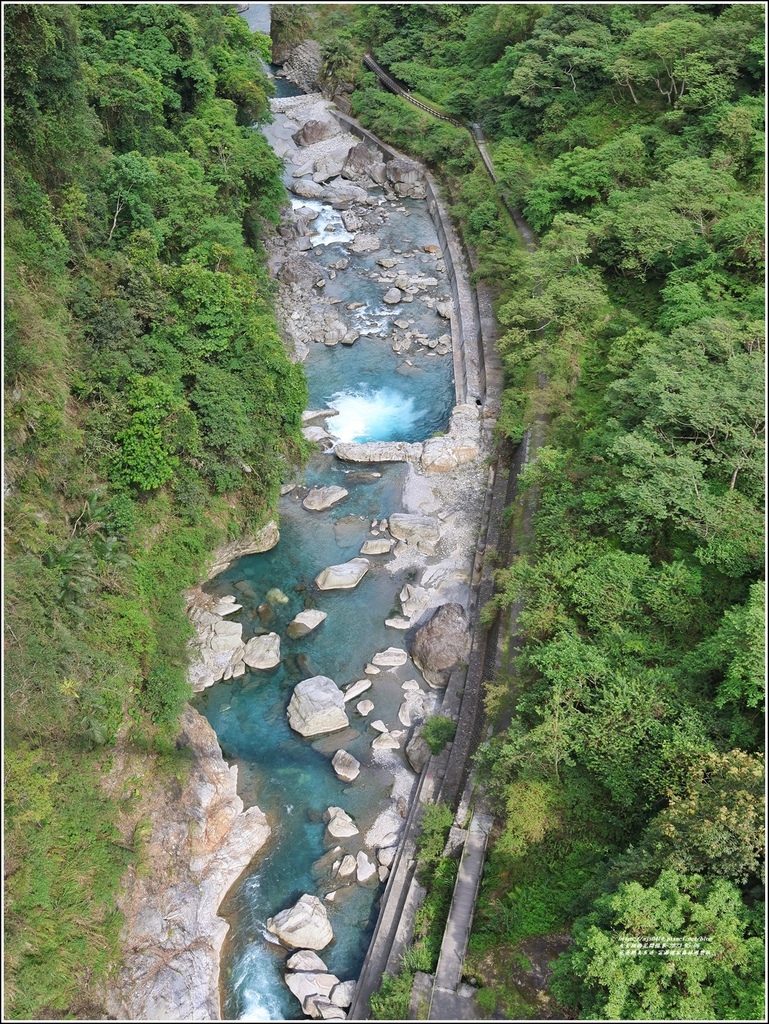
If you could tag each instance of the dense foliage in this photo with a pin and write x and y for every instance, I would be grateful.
(630, 780)
(150, 413)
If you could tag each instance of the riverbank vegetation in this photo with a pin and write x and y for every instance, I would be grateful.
(627, 768)
(150, 412)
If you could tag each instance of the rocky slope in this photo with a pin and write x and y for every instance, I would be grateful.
(200, 841)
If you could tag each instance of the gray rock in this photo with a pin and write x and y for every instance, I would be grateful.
(356, 689)
(359, 162)
(314, 131)
(305, 960)
(346, 766)
(343, 993)
(386, 855)
(307, 985)
(364, 707)
(303, 926)
(321, 498)
(341, 825)
(417, 750)
(378, 546)
(263, 651)
(400, 169)
(347, 867)
(363, 243)
(306, 189)
(344, 576)
(352, 222)
(392, 296)
(300, 271)
(423, 531)
(441, 644)
(398, 622)
(391, 658)
(385, 741)
(317, 707)
(305, 622)
(366, 869)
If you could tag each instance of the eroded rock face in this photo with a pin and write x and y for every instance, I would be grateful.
(441, 644)
(264, 540)
(317, 707)
(303, 926)
(201, 841)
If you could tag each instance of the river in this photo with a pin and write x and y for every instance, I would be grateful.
(380, 394)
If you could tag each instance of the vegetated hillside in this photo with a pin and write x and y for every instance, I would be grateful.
(629, 779)
(150, 414)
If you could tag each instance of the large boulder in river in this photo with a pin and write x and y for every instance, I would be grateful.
(263, 651)
(346, 766)
(320, 498)
(303, 926)
(305, 622)
(301, 272)
(441, 644)
(317, 707)
(344, 576)
(402, 170)
(359, 161)
(315, 131)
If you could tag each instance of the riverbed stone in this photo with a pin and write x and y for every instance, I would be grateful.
(321, 498)
(385, 741)
(347, 867)
(346, 766)
(263, 651)
(417, 750)
(313, 131)
(377, 546)
(317, 707)
(398, 622)
(422, 531)
(305, 960)
(300, 271)
(414, 601)
(343, 993)
(442, 643)
(340, 824)
(391, 658)
(392, 296)
(365, 242)
(303, 926)
(356, 689)
(344, 576)
(365, 869)
(378, 725)
(306, 985)
(364, 707)
(386, 855)
(305, 622)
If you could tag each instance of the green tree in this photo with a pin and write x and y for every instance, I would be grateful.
(602, 979)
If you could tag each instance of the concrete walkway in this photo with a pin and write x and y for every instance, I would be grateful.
(448, 975)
